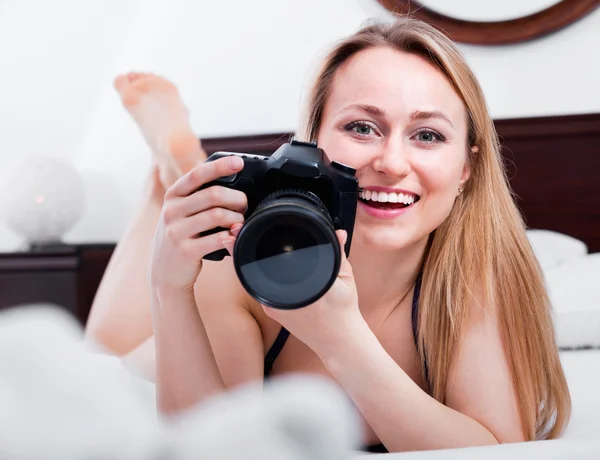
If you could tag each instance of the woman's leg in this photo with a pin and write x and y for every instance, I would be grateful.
(120, 316)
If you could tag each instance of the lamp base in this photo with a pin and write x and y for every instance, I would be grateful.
(49, 247)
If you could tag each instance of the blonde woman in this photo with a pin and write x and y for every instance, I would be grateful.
(438, 327)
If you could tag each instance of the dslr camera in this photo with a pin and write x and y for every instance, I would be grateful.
(287, 254)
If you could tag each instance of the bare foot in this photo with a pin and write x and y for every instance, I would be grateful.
(156, 107)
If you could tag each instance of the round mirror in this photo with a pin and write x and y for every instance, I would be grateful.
(488, 11)
(497, 22)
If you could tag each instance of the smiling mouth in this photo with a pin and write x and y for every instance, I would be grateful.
(388, 200)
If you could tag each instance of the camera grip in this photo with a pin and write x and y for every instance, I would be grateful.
(215, 255)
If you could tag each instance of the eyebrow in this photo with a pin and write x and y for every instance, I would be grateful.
(370, 109)
(420, 115)
(414, 115)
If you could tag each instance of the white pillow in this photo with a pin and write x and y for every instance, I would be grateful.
(553, 248)
(574, 287)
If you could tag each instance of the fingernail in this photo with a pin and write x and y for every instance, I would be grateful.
(235, 162)
(344, 237)
(235, 229)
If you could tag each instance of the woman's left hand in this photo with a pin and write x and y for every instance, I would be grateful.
(330, 318)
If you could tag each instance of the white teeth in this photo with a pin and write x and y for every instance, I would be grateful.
(385, 197)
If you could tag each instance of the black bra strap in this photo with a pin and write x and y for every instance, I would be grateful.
(415, 308)
(275, 349)
(376, 449)
(415, 321)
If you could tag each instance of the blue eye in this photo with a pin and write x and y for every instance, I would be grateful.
(428, 136)
(361, 128)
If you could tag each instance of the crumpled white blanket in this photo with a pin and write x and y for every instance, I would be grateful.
(61, 399)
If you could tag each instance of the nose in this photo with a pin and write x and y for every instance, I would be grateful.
(393, 159)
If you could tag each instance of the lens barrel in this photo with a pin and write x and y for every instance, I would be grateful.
(287, 254)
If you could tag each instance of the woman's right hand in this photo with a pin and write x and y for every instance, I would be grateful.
(178, 249)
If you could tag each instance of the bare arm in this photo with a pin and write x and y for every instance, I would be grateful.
(186, 368)
(481, 408)
(205, 348)
(233, 332)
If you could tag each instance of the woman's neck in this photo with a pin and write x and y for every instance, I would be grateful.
(383, 278)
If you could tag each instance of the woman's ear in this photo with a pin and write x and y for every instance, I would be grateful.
(466, 169)
(466, 172)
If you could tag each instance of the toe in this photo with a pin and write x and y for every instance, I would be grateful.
(134, 76)
(120, 82)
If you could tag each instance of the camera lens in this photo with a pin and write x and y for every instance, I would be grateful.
(287, 254)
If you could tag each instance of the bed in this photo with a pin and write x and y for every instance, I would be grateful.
(94, 403)
(582, 368)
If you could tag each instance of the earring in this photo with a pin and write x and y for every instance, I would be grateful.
(460, 190)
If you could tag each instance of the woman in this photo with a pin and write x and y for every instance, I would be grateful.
(438, 326)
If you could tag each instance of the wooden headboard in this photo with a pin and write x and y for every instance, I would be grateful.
(553, 164)
(554, 168)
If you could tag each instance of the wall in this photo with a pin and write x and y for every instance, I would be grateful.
(241, 67)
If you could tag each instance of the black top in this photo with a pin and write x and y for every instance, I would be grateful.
(283, 335)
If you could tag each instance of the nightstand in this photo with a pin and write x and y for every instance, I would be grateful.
(67, 276)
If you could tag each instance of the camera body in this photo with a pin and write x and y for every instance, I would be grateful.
(297, 168)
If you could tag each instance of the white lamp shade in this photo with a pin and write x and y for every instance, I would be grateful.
(41, 199)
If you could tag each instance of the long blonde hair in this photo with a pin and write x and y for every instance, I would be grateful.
(482, 243)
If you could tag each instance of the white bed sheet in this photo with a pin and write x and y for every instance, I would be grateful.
(581, 439)
(582, 368)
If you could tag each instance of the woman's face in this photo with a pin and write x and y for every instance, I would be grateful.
(397, 120)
